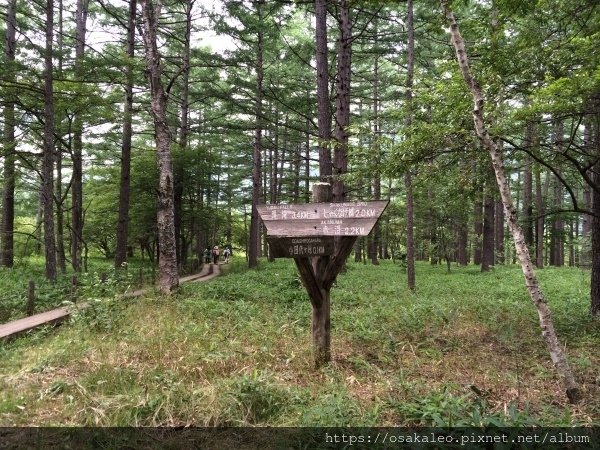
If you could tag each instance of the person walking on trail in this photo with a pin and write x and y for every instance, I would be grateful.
(226, 254)
(207, 255)
(216, 254)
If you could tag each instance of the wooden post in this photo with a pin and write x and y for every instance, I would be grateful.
(31, 298)
(321, 316)
(319, 236)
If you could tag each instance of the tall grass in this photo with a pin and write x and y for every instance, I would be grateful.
(464, 349)
(101, 281)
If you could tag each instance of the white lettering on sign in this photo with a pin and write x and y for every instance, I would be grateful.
(306, 250)
(321, 219)
(346, 205)
(343, 231)
(349, 213)
(314, 240)
(288, 214)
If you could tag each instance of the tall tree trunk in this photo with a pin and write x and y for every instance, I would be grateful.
(323, 103)
(595, 254)
(572, 389)
(183, 134)
(254, 243)
(557, 257)
(342, 110)
(539, 222)
(167, 265)
(462, 238)
(558, 225)
(274, 161)
(527, 213)
(487, 246)
(376, 232)
(61, 258)
(124, 182)
(296, 188)
(595, 233)
(478, 231)
(410, 215)
(77, 185)
(58, 196)
(281, 176)
(307, 161)
(7, 227)
(586, 228)
(499, 233)
(48, 159)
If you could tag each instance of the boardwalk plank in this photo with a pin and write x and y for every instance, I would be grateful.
(55, 316)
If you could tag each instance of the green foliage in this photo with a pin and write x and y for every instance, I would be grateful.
(253, 400)
(102, 282)
(445, 409)
(463, 350)
(338, 409)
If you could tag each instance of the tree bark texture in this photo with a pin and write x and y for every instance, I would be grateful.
(527, 212)
(342, 103)
(125, 181)
(478, 232)
(410, 214)
(168, 279)
(557, 256)
(183, 134)
(487, 246)
(539, 222)
(595, 232)
(462, 238)
(254, 243)
(7, 226)
(48, 158)
(323, 102)
(595, 254)
(58, 195)
(572, 389)
(77, 186)
(376, 232)
(500, 257)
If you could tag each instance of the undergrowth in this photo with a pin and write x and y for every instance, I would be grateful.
(464, 349)
(100, 282)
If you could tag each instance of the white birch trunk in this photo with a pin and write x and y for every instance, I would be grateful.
(572, 389)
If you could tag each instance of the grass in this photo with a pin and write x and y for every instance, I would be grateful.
(48, 295)
(465, 349)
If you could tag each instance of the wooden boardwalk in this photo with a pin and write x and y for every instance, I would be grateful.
(55, 316)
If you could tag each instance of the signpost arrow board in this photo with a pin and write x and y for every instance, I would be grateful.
(322, 219)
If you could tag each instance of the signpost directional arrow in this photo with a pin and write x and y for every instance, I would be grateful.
(322, 219)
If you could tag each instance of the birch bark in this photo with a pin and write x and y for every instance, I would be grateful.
(559, 359)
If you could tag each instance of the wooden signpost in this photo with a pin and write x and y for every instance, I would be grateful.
(319, 236)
